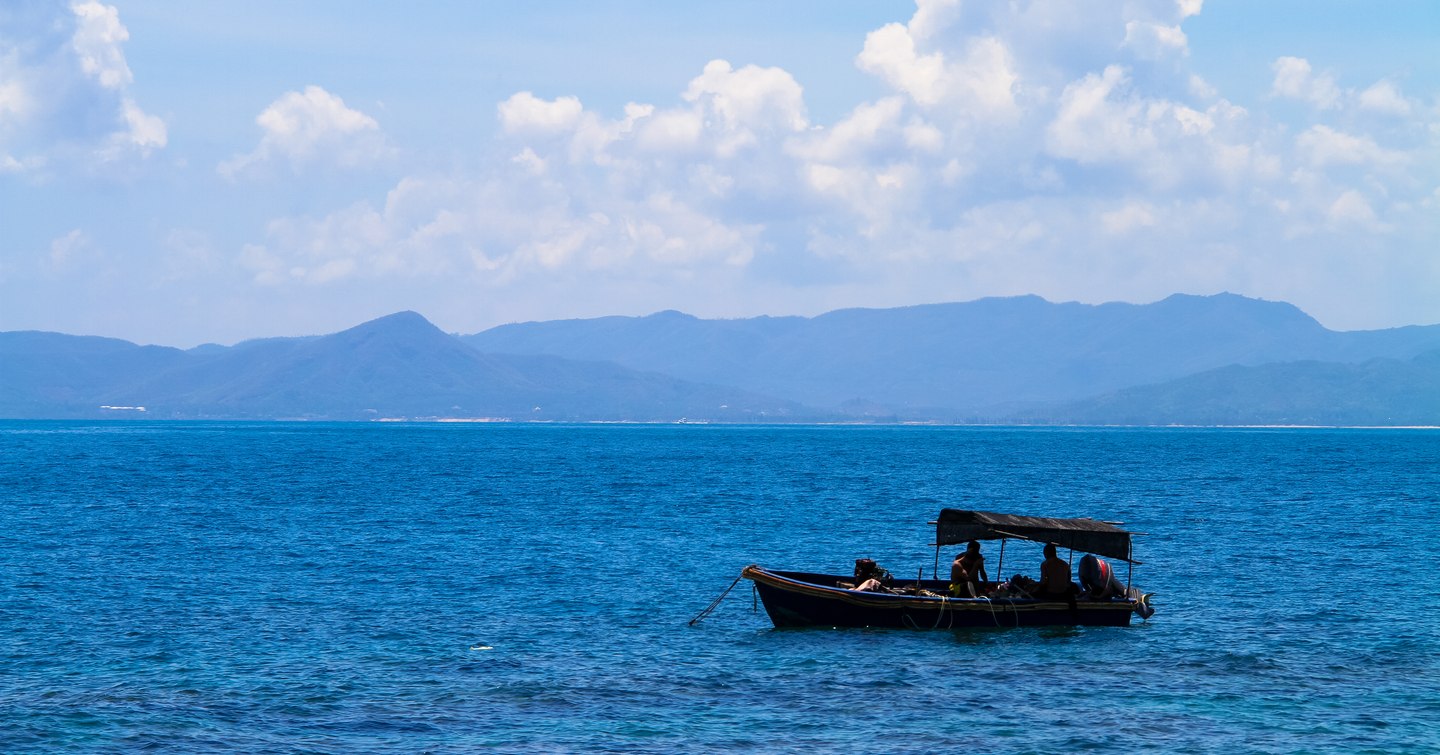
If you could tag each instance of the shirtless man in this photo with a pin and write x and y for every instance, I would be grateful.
(1054, 576)
(967, 572)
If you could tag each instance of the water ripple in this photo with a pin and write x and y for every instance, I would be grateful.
(268, 587)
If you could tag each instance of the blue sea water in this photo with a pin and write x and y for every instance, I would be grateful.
(292, 587)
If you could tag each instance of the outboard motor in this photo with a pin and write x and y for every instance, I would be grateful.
(1142, 603)
(1098, 579)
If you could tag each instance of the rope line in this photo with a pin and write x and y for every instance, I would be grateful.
(714, 604)
(944, 606)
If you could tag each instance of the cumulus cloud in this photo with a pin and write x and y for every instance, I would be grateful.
(977, 78)
(65, 91)
(310, 127)
(1384, 97)
(524, 112)
(1018, 147)
(1295, 79)
(890, 54)
(98, 37)
(750, 99)
(1097, 121)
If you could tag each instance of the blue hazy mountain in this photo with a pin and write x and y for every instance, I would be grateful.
(53, 375)
(1374, 392)
(396, 366)
(973, 360)
(1195, 360)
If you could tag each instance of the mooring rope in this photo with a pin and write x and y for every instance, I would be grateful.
(710, 608)
(995, 617)
(991, 604)
(944, 605)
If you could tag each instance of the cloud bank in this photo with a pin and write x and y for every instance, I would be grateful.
(1065, 149)
(1024, 147)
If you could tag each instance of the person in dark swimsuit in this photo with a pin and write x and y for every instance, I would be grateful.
(968, 572)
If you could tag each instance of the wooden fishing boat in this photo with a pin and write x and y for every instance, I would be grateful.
(802, 599)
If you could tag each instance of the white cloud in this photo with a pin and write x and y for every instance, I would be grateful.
(870, 126)
(1127, 218)
(1384, 97)
(1098, 120)
(671, 131)
(16, 101)
(68, 252)
(1063, 149)
(751, 99)
(1322, 146)
(1154, 41)
(518, 222)
(143, 133)
(98, 37)
(1295, 79)
(726, 112)
(526, 113)
(1201, 89)
(65, 97)
(933, 17)
(1351, 208)
(311, 127)
(890, 54)
(977, 78)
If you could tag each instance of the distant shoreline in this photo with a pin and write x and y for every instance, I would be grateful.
(509, 421)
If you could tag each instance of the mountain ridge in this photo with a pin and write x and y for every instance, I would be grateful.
(396, 366)
(1003, 359)
(969, 357)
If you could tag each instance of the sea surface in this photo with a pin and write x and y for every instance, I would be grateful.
(303, 587)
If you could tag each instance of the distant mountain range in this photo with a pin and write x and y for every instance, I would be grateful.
(1221, 359)
(396, 367)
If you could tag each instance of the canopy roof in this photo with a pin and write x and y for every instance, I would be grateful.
(1088, 535)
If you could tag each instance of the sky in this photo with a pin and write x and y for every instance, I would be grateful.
(217, 171)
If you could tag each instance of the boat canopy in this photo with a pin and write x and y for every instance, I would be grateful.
(1087, 535)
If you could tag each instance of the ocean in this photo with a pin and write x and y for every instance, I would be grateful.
(406, 587)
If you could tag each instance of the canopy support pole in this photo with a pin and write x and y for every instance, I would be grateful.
(935, 573)
(1000, 568)
(1129, 573)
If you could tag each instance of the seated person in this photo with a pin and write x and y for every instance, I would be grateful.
(1054, 577)
(967, 572)
(869, 577)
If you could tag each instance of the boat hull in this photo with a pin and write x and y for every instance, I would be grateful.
(801, 599)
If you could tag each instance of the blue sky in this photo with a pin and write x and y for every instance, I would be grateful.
(219, 171)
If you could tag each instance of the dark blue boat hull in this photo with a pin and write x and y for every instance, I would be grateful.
(800, 599)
